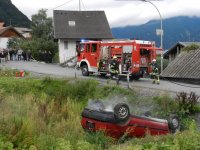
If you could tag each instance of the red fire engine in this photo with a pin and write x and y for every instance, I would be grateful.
(134, 57)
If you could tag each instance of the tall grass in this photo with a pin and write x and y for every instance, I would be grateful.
(187, 140)
(45, 114)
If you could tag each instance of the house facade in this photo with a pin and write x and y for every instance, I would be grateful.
(67, 49)
(6, 33)
(71, 27)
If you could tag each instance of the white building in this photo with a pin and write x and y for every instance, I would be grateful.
(70, 27)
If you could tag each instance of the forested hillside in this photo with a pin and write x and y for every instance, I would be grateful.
(11, 15)
(175, 29)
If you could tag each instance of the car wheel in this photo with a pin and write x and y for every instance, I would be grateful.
(174, 123)
(84, 70)
(121, 112)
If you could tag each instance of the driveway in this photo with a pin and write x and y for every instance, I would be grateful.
(144, 84)
(41, 68)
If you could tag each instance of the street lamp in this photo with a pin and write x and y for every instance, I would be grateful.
(158, 31)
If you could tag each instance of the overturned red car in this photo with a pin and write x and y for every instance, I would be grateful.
(120, 122)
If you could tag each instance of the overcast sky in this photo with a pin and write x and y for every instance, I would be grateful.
(119, 13)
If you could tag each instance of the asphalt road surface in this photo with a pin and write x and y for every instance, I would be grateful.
(55, 70)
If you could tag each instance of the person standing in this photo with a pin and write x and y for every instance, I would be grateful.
(14, 55)
(19, 53)
(24, 56)
(114, 67)
(11, 54)
(155, 72)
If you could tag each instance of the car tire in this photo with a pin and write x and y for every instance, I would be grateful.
(174, 123)
(84, 70)
(121, 112)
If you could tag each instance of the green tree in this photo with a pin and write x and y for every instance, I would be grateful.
(13, 43)
(42, 25)
(165, 63)
(42, 38)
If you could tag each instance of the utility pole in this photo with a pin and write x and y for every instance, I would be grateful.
(159, 32)
(79, 5)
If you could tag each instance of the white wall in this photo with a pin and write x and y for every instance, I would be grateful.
(66, 54)
(3, 42)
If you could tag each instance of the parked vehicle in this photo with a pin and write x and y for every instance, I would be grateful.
(120, 122)
(134, 57)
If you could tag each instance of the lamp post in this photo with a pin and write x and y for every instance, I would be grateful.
(159, 31)
(79, 5)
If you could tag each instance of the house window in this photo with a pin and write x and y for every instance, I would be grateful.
(65, 45)
(72, 23)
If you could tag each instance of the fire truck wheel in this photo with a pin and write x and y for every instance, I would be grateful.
(135, 77)
(102, 74)
(121, 112)
(84, 70)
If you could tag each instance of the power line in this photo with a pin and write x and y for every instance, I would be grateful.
(59, 5)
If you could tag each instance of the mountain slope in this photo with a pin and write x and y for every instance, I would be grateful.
(175, 29)
(11, 15)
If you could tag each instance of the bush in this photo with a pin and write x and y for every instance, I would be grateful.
(165, 106)
(193, 46)
(56, 58)
(187, 103)
(165, 63)
(99, 139)
(83, 145)
(5, 145)
(187, 140)
(63, 144)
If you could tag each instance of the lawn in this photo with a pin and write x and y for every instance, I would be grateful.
(45, 114)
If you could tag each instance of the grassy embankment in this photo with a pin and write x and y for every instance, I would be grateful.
(42, 114)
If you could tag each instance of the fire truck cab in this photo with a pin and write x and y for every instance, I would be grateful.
(133, 56)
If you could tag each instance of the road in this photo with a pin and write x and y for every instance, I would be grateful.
(55, 70)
